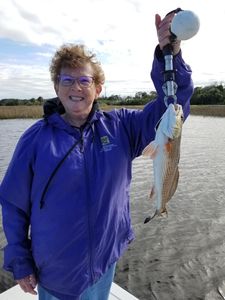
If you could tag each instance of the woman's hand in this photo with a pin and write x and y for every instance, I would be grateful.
(28, 284)
(164, 34)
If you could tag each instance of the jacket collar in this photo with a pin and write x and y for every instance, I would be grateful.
(53, 109)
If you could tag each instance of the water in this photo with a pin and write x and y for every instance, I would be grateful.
(10, 131)
(181, 257)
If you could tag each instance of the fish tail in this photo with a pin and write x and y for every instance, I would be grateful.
(157, 213)
(149, 218)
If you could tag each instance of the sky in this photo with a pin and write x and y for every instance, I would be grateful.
(121, 32)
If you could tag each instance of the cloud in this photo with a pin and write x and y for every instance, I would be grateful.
(106, 27)
(17, 81)
(24, 14)
(120, 32)
(56, 22)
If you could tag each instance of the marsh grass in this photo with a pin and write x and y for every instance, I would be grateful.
(36, 111)
(21, 112)
(208, 110)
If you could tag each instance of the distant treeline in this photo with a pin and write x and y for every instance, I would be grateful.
(14, 102)
(208, 95)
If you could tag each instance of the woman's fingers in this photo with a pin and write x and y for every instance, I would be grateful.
(163, 29)
(28, 284)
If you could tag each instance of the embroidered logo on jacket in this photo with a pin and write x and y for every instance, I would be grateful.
(106, 144)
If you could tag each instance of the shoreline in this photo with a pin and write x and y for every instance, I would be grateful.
(36, 111)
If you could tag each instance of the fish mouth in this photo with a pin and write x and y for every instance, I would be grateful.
(76, 98)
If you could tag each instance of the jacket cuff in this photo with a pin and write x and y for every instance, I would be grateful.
(159, 54)
(23, 268)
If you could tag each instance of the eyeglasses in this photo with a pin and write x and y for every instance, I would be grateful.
(83, 81)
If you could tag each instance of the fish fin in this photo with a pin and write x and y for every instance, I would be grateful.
(164, 212)
(150, 150)
(152, 193)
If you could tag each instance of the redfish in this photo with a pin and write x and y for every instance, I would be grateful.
(165, 152)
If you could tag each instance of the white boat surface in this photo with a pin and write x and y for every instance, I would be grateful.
(15, 293)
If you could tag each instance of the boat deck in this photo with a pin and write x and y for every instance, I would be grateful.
(15, 293)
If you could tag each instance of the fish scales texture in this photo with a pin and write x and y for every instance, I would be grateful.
(165, 152)
(171, 175)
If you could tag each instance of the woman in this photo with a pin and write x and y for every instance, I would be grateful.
(65, 195)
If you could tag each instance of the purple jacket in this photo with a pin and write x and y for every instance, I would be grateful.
(72, 186)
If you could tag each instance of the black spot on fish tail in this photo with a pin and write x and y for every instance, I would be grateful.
(147, 219)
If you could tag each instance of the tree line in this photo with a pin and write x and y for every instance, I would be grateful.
(208, 95)
(14, 102)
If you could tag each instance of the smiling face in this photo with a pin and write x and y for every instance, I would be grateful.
(76, 99)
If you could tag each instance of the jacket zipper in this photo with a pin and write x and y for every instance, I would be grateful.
(88, 211)
(42, 201)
